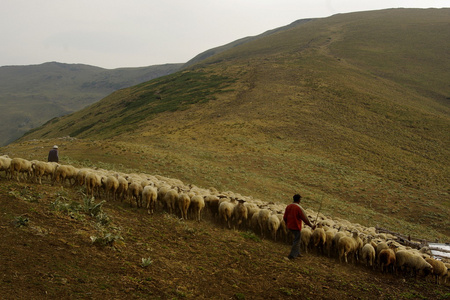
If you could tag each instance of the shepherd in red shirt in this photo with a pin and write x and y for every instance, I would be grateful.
(293, 217)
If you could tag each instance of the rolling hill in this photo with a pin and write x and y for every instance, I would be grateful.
(353, 108)
(31, 95)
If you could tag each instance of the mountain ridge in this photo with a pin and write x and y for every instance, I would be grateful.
(31, 95)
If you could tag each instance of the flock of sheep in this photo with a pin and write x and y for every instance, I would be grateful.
(332, 237)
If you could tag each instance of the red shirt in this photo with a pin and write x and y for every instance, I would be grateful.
(294, 215)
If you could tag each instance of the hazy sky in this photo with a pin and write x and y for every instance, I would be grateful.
(131, 33)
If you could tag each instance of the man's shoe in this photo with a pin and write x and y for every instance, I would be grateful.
(290, 257)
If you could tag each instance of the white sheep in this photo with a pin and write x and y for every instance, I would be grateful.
(212, 205)
(93, 182)
(263, 218)
(42, 168)
(282, 230)
(65, 172)
(226, 212)
(162, 190)
(20, 165)
(319, 238)
(183, 203)
(334, 245)
(349, 245)
(329, 236)
(135, 192)
(80, 177)
(368, 255)
(305, 238)
(5, 165)
(196, 207)
(122, 189)
(240, 214)
(447, 265)
(273, 224)
(149, 196)
(111, 187)
(410, 262)
(170, 199)
(254, 224)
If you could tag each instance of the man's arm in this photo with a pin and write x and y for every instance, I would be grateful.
(305, 218)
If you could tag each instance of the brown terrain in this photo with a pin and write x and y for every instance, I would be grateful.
(47, 252)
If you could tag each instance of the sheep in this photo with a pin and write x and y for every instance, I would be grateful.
(183, 204)
(20, 165)
(169, 200)
(305, 238)
(254, 224)
(439, 269)
(282, 230)
(226, 212)
(122, 189)
(135, 192)
(111, 186)
(349, 245)
(41, 168)
(318, 238)
(93, 182)
(212, 203)
(447, 265)
(80, 177)
(380, 246)
(273, 223)
(196, 207)
(409, 261)
(263, 217)
(329, 236)
(162, 190)
(252, 209)
(387, 259)
(240, 214)
(150, 195)
(5, 165)
(368, 255)
(65, 172)
(337, 236)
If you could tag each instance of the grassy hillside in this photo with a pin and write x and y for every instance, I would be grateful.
(352, 108)
(31, 95)
(55, 245)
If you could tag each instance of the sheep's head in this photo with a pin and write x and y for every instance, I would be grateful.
(428, 269)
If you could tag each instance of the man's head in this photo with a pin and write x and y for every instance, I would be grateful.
(55, 147)
(297, 198)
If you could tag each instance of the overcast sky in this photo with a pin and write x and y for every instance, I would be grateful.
(132, 33)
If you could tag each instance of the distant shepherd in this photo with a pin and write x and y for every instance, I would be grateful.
(53, 154)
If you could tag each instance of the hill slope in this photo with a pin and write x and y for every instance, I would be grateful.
(352, 108)
(31, 95)
(47, 234)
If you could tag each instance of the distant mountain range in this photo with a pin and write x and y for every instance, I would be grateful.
(31, 95)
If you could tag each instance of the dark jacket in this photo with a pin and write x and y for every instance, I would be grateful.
(53, 155)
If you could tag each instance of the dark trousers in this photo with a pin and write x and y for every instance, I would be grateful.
(295, 250)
